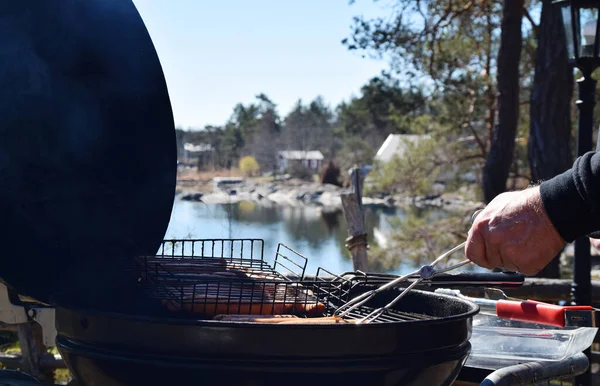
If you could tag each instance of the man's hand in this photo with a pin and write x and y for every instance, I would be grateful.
(515, 233)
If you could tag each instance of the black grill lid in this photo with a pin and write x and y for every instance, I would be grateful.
(87, 145)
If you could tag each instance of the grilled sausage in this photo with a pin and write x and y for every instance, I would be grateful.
(210, 304)
(323, 320)
(282, 319)
(252, 318)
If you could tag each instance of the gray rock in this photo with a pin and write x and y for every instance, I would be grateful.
(192, 197)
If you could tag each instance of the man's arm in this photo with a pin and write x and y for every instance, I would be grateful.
(523, 231)
(572, 199)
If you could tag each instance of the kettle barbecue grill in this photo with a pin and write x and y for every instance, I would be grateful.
(130, 347)
(88, 169)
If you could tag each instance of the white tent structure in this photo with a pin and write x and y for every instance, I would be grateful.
(398, 144)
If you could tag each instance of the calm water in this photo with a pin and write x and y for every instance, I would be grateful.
(318, 236)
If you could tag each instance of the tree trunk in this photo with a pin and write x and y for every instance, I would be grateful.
(502, 146)
(550, 130)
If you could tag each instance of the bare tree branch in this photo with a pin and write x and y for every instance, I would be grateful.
(527, 15)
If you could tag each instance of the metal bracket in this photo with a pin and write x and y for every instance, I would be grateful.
(46, 318)
(10, 313)
(17, 314)
(576, 318)
(495, 294)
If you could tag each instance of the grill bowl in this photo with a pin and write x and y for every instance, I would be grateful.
(103, 348)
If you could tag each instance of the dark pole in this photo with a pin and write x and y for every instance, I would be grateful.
(582, 280)
(582, 289)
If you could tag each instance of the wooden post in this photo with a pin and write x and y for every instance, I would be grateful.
(353, 211)
(33, 352)
(31, 361)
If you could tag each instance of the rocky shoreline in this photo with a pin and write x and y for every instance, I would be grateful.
(302, 193)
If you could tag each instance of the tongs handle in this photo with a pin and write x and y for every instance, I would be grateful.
(478, 279)
(427, 271)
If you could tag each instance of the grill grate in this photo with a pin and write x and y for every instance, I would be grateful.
(389, 316)
(205, 278)
(252, 249)
(246, 253)
(341, 289)
(206, 299)
(192, 269)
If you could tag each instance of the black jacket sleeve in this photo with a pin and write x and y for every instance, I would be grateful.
(572, 199)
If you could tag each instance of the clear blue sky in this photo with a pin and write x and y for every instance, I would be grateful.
(216, 53)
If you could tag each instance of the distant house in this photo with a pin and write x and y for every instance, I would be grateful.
(312, 159)
(197, 154)
(397, 144)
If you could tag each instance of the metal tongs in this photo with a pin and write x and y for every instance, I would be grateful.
(426, 272)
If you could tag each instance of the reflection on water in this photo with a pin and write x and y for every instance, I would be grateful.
(318, 236)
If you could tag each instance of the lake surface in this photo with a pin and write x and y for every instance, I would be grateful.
(318, 236)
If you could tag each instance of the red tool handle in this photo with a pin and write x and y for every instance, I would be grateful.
(535, 312)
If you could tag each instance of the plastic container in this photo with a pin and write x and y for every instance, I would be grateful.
(498, 343)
